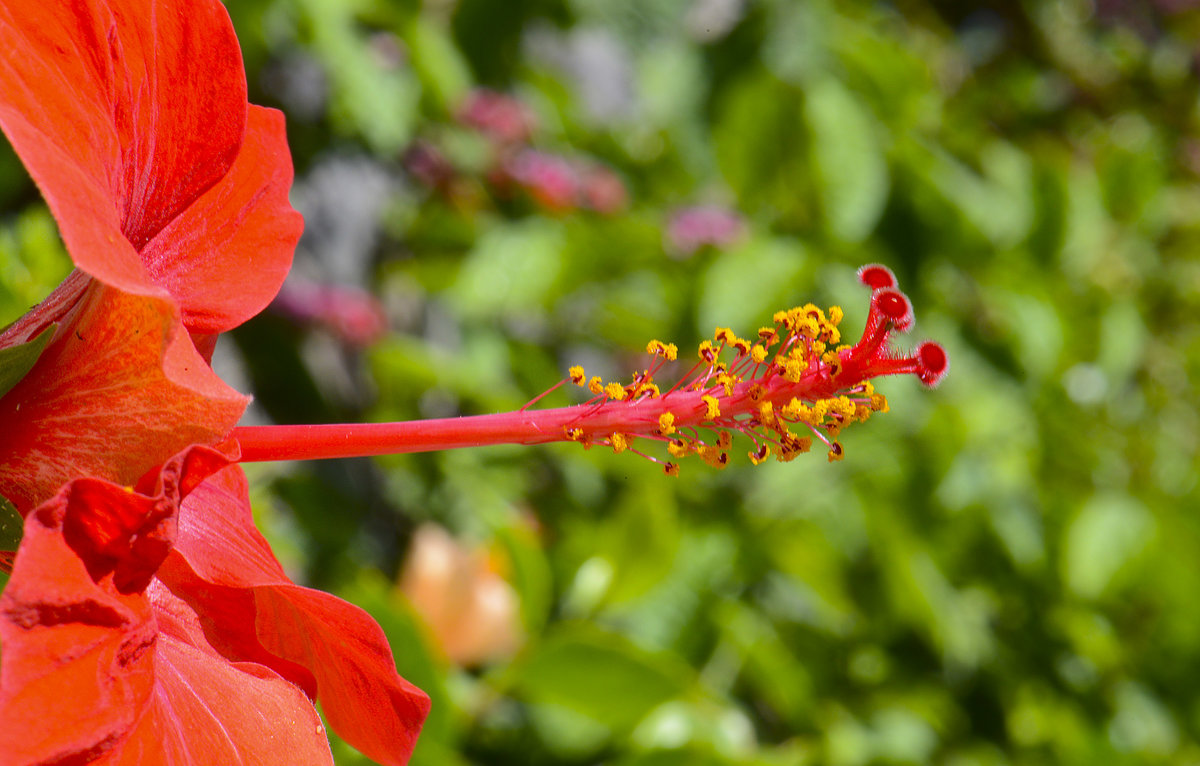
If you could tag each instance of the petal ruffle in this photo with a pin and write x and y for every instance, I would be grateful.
(102, 664)
(321, 642)
(103, 667)
(243, 226)
(120, 368)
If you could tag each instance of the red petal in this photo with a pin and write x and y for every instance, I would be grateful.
(98, 103)
(120, 364)
(313, 634)
(243, 226)
(94, 672)
(130, 115)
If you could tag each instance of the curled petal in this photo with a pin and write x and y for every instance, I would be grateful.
(102, 668)
(243, 223)
(224, 568)
(119, 364)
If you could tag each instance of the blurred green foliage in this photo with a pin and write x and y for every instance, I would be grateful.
(1001, 571)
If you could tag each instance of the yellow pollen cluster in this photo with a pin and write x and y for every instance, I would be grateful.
(786, 376)
(668, 351)
(759, 455)
(615, 391)
(666, 423)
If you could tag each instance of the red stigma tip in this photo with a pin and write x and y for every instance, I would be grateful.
(894, 305)
(876, 276)
(933, 363)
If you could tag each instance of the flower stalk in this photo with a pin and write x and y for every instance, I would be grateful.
(793, 374)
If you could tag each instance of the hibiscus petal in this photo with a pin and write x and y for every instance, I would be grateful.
(244, 222)
(131, 116)
(334, 643)
(119, 364)
(95, 672)
(124, 112)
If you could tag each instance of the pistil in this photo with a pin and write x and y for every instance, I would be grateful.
(790, 375)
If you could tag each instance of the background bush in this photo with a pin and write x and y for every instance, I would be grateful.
(1001, 571)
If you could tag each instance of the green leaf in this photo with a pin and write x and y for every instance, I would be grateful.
(512, 269)
(851, 169)
(744, 287)
(17, 361)
(1105, 536)
(12, 526)
(600, 675)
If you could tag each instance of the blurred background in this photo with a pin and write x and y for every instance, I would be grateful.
(1004, 570)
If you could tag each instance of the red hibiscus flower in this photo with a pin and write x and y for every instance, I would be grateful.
(146, 620)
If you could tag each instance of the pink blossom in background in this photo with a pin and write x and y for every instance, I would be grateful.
(550, 179)
(352, 314)
(501, 117)
(691, 228)
(603, 191)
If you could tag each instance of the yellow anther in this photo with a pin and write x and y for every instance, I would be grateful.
(768, 336)
(791, 445)
(760, 454)
(615, 391)
(817, 348)
(666, 423)
(670, 469)
(835, 365)
(713, 456)
(793, 370)
(792, 409)
(756, 392)
(727, 380)
(679, 448)
(831, 333)
(724, 440)
(574, 434)
(836, 452)
(879, 403)
(758, 353)
(596, 385)
(667, 351)
(808, 327)
(724, 335)
(842, 406)
(620, 442)
(648, 388)
(742, 345)
(707, 353)
(714, 408)
(766, 414)
(820, 408)
(577, 375)
(835, 315)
